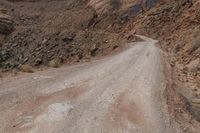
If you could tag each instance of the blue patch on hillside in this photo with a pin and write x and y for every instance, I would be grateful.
(136, 9)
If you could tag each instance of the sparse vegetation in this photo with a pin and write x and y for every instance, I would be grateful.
(55, 63)
(26, 68)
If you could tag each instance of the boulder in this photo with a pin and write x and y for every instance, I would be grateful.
(193, 66)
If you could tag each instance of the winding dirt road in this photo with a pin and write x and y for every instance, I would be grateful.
(122, 93)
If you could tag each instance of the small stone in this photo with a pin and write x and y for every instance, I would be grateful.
(25, 60)
(93, 51)
(44, 41)
(14, 44)
(184, 129)
(38, 61)
(116, 46)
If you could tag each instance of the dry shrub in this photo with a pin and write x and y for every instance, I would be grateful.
(26, 68)
(55, 63)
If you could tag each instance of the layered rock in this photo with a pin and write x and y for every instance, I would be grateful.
(6, 23)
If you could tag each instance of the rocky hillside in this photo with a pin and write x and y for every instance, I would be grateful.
(44, 32)
(73, 30)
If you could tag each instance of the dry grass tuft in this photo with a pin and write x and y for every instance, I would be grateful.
(26, 68)
(55, 63)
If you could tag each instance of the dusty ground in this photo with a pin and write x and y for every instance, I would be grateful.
(117, 94)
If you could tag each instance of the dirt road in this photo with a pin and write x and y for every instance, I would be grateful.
(122, 93)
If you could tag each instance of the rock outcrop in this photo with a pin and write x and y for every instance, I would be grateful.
(6, 23)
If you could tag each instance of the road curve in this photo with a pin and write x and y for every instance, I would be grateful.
(122, 93)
